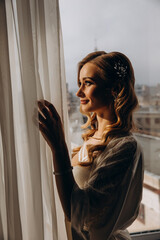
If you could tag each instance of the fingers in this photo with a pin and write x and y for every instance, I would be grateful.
(48, 110)
(41, 118)
(46, 116)
(49, 123)
(52, 109)
(43, 111)
(38, 119)
(42, 128)
(45, 134)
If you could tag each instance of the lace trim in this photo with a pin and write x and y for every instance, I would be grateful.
(81, 154)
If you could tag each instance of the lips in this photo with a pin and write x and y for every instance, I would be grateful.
(84, 101)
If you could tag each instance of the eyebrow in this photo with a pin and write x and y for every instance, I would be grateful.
(93, 79)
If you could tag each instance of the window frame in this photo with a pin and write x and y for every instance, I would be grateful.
(146, 235)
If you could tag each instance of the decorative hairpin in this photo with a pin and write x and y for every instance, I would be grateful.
(121, 70)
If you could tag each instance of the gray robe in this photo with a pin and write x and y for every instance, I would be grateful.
(110, 199)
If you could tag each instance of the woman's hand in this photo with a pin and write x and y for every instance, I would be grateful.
(51, 126)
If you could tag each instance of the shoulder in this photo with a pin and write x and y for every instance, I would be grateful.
(120, 148)
(123, 142)
(121, 154)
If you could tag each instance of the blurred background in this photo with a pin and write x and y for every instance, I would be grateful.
(133, 28)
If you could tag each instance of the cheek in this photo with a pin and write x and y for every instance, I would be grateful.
(101, 97)
(99, 93)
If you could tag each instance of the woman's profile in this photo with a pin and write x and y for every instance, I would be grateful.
(101, 187)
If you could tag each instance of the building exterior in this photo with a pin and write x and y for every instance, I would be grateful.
(149, 214)
(148, 121)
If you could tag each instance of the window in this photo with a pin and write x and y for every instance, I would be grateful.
(157, 120)
(133, 28)
(148, 120)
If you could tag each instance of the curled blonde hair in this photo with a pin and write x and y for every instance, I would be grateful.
(115, 71)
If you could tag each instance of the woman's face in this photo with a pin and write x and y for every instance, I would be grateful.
(92, 93)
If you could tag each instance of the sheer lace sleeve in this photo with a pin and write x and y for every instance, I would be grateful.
(106, 203)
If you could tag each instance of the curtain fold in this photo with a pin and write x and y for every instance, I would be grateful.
(31, 68)
(9, 204)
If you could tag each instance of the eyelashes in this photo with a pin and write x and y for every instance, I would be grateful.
(86, 83)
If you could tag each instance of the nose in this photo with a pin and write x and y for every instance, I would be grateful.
(80, 92)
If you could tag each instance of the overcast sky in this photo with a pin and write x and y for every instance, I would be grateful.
(129, 26)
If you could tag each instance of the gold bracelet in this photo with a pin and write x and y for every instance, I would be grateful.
(64, 172)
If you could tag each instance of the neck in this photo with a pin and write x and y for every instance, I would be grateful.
(104, 119)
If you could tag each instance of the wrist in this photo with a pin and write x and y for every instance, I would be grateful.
(61, 159)
(60, 149)
(64, 172)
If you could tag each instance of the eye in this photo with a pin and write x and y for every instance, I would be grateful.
(88, 83)
(79, 84)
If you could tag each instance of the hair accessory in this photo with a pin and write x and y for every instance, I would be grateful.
(63, 172)
(121, 70)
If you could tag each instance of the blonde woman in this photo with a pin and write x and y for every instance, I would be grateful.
(101, 196)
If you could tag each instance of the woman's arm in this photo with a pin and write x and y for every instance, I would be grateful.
(51, 128)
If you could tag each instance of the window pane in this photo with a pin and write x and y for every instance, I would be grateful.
(131, 27)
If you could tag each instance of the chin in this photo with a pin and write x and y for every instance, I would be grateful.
(86, 109)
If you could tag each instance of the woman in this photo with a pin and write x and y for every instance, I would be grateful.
(101, 196)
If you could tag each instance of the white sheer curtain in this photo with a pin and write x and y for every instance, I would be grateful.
(31, 68)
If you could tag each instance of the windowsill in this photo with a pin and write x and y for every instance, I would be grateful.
(147, 235)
